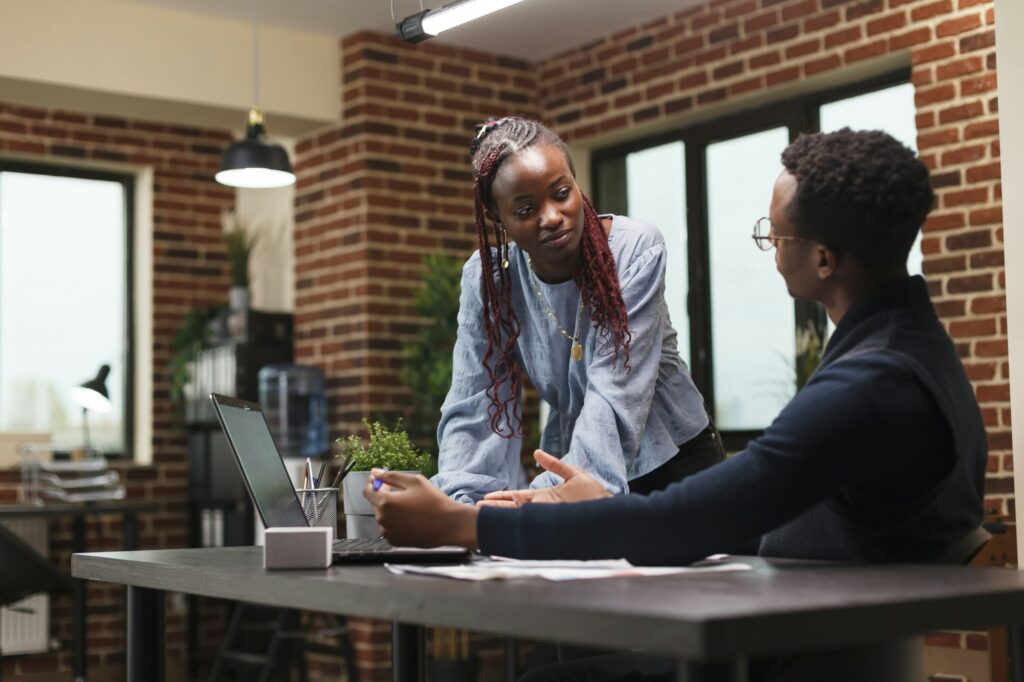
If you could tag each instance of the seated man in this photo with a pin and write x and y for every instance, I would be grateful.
(879, 458)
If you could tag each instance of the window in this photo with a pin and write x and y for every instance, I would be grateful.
(65, 246)
(704, 187)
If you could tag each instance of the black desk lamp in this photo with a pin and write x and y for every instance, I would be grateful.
(92, 395)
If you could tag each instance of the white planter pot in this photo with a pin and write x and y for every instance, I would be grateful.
(355, 503)
(359, 521)
(360, 526)
(238, 298)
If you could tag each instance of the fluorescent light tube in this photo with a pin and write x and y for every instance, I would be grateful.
(430, 23)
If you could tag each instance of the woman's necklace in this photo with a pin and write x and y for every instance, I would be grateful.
(576, 350)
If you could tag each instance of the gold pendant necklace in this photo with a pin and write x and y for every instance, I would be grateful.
(576, 349)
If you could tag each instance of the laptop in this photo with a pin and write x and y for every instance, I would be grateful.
(271, 489)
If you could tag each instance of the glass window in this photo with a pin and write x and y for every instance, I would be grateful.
(752, 315)
(655, 191)
(890, 109)
(63, 305)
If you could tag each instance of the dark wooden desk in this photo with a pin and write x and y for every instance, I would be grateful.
(78, 512)
(705, 621)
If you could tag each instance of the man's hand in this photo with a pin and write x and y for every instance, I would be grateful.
(413, 513)
(578, 486)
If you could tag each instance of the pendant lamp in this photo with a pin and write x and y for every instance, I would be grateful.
(255, 161)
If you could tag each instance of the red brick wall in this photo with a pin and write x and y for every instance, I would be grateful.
(189, 269)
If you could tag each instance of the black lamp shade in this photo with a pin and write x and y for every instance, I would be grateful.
(93, 393)
(255, 162)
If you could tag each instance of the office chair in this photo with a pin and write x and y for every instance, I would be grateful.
(24, 572)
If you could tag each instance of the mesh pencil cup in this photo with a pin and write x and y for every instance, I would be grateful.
(320, 505)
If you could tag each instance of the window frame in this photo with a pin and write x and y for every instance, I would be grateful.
(127, 182)
(797, 114)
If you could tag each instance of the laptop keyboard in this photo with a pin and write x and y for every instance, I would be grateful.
(362, 546)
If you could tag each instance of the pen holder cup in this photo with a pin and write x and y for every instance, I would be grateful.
(320, 505)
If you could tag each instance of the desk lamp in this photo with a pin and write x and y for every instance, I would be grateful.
(92, 395)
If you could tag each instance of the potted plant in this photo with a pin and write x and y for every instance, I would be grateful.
(385, 447)
(240, 244)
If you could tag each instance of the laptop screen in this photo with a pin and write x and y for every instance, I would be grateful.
(262, 468)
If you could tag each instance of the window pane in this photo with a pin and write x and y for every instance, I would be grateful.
(62, 304)
(891, 110)
(656, 191)
(751, 313)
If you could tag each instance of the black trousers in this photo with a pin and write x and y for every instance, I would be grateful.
(703, 450)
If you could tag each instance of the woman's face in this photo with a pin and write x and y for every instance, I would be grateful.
(537, 200)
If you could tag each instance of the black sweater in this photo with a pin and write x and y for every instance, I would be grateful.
(880, 457)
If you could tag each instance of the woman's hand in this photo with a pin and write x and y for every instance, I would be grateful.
(578, 486)
(413, 513)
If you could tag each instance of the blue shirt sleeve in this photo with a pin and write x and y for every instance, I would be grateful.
(608, 432)
(472, 459)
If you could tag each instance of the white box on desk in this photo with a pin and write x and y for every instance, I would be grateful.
(297, 547)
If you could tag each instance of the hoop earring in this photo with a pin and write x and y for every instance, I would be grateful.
(502, 245)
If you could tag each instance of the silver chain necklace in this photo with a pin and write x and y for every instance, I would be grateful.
(576, 350)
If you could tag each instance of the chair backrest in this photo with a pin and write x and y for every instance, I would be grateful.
(23, 571)
(967, 547)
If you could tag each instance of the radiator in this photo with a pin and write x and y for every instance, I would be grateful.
(27, 633)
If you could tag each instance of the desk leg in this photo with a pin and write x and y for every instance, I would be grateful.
(78, 664)
(408, 653)
(691, 671)
(145, 635)
(1015, 642)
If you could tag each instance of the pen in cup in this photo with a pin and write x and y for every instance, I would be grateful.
(346, 466)
(320, 474)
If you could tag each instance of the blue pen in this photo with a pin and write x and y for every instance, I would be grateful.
(377, 483)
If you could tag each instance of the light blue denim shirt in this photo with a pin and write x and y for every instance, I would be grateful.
(617, 425)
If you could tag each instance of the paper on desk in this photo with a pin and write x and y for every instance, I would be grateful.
(499, 568)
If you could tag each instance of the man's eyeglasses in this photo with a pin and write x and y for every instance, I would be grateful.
(764, 238)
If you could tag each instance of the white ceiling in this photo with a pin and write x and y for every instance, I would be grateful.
(532, 30)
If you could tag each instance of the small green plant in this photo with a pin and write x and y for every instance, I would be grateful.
(240, 245)
(386, 447)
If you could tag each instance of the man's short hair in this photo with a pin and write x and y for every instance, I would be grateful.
(860, 193)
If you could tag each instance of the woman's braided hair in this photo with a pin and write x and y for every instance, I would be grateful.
(597, 278)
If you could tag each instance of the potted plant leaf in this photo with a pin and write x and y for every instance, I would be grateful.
(240, 244)
(385, 447)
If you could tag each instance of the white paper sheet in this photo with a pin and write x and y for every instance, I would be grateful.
(498, 568)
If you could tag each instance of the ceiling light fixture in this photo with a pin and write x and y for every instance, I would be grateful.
(255, 162)
(431, 22)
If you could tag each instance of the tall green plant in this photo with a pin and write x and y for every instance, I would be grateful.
(240, 244)
(427, 361)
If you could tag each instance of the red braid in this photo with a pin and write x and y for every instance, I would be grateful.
(598, 278)
(500, 321)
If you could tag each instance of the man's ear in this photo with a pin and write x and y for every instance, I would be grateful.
(827, 261)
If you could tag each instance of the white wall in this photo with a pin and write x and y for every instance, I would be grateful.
(1010, 56)
(143, 61)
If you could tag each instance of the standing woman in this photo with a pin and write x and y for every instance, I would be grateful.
(575, 301)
